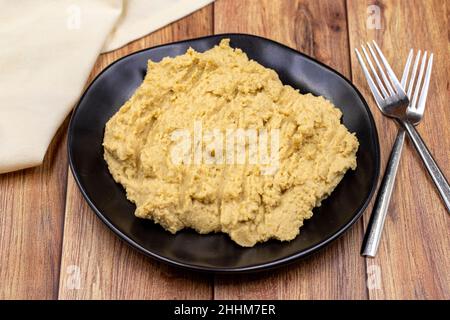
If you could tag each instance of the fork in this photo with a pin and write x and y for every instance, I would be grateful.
(392, 103)
(414, 114)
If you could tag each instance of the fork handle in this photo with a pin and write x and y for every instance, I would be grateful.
(376, 223)
(436, 174)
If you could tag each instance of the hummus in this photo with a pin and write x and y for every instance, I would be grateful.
(222, 90)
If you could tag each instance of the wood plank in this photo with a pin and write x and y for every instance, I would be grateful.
(318, 28)
(108, 268)
(31, 224)
(413, 258)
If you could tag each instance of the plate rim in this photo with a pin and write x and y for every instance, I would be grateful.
(229, 270)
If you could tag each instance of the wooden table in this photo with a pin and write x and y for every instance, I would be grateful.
(52, 246)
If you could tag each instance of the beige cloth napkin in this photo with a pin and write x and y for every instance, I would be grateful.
(47, 50)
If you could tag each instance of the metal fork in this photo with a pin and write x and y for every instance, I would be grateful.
(414, 114)
(411, 116)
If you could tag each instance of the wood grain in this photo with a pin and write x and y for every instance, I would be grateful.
(413, 258)
(95, 263)
(319, 29)
(31, 218)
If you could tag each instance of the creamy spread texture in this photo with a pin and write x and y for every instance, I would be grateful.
(222, 89)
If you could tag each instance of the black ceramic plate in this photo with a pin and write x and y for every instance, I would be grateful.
(216, 252)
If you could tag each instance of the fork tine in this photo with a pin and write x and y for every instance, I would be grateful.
(419, 81)
(373, 87)
(426, 83)
(413, 74)
(374, 72)
(380, 68)
(391, 73)
(406, 70)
